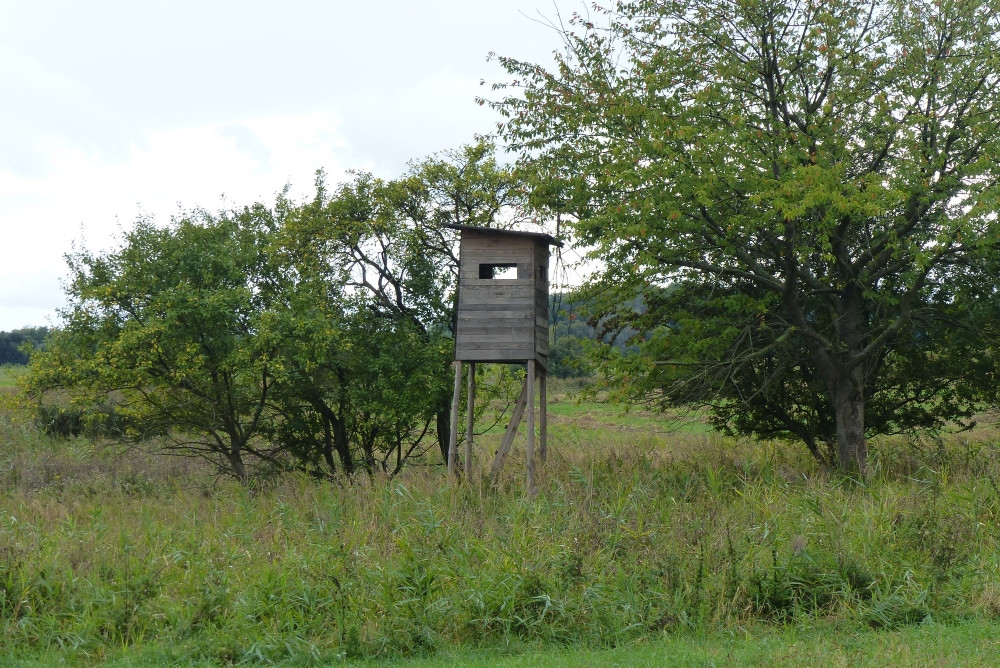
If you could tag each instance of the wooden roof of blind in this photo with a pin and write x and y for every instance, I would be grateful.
(539, 236)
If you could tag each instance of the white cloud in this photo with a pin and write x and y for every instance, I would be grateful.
(45, 109)
(119, 107)
(430, 114)
(86, 200)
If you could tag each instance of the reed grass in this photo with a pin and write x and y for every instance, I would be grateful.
(634, 538)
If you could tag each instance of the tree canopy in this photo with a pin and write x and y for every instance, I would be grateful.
(169, 325)
(11, 342)
(805, 194)
(315, 336)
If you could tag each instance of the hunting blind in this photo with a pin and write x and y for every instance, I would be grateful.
(503, 316)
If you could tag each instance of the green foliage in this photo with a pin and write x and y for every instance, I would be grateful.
(384, 243)
(807, 193)
(315, 337)
(12, 343)
(168, 325)
(569, 334)
(576, 330)
(568, 357)
(801, 584)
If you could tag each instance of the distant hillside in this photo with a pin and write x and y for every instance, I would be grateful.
(570, 331)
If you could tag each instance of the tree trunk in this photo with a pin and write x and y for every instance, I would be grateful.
(236, 464)
(342, 445)
(328, 446)
(335, 436)
(444, 430)
(843, 372)
(848, 397)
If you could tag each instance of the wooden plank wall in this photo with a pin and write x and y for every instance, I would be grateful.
(541, 257)
(498, 318)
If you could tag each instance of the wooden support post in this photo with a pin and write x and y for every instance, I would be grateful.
(508, 436)
(453, 434)
(543, 416)
(470, 419)
(530, 454)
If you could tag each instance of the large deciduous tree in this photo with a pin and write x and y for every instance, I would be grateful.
(314, 336)
(384, 242)
(804, 191)
(168, 326)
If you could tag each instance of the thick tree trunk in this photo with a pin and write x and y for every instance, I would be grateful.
(233, 449)
(844, 376)
(343, 446)
(235, 459)
(331, 465)
(849, 413)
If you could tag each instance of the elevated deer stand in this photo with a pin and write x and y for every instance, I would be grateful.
(503, 316)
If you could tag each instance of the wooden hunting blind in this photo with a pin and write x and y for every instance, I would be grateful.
(503, 316)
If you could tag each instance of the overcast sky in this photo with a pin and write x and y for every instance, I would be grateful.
(110, 109)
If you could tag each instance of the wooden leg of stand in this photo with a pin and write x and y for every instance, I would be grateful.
(543, 417)
(530, 385)
(470, 419)
(508, 436)
(453, 435)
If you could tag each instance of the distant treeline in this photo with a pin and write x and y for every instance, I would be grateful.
(572, 330)
(11, 342)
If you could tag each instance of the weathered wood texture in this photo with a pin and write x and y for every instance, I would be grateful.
(470, 420)
(453, 435)
(543, 417)
(529, 384)
(509, 434)
(503, 319)
(503, 316)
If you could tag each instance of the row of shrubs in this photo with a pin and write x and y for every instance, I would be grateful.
(66, 421)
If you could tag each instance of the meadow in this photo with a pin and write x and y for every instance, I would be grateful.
(7, 376)
(648, 544)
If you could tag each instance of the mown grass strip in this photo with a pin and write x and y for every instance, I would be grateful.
(969, 643)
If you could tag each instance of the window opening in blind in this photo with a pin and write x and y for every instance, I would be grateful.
(502, 270)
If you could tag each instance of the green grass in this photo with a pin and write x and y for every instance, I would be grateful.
(967, 643)
(640, 548)
(573, 413)
(573, 417)
(7, 376)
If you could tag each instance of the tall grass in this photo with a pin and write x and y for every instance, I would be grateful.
(630, 537)
(8, 376)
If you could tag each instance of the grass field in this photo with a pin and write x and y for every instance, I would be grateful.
(647, 545)
(567, 412)
(972, 643)
(7, 374)
(956, 645)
